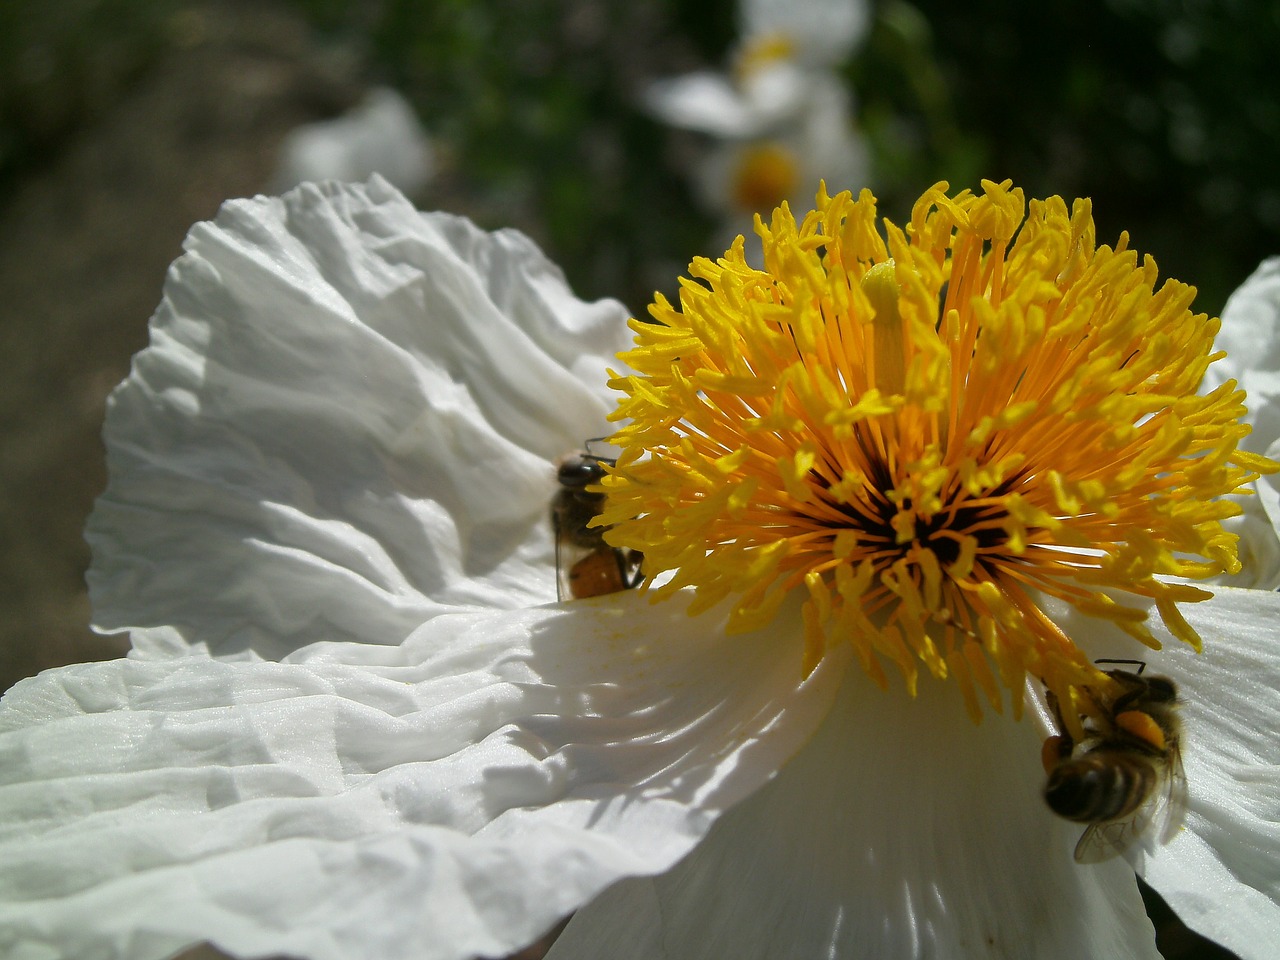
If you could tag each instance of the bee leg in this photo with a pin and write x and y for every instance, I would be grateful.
(1054, 750)
(633, 576)
(1140, 664)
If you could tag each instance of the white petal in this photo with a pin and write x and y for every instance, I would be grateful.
(901, 830)
(345, 423)
(825, 31)
(1268, 489)
(710, 103)
(1221, 874)
(381, 135)
(830, 145)
(447, 798)
(1251, 336)
(1259, 544)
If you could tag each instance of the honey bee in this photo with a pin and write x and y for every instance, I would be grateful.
(1124, 778)
(586, 566)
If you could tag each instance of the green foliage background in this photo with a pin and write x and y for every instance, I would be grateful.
(1166, 112)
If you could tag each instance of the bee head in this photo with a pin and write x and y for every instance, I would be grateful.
(579, 471)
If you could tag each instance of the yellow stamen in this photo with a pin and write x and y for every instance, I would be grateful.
(929, 431)
(881, 287)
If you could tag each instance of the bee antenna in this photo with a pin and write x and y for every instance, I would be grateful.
(1140, 664)
(586, 450)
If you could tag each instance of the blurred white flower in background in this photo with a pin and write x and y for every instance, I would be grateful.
(381, 134)
(822, 32)
(780, 119)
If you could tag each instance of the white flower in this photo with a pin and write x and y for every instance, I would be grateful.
(338, 454)
(781, 121)
(783, 48)
(738, 178)
(381, 134)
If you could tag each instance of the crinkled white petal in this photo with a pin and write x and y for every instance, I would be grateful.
(381, 135)
(345, 424)
(1221, 873)
(901, 830)
(825, 32)
(450, 797)
(1250, 334)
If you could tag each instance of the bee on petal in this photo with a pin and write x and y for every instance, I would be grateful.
(586, 566)
(1124, 778)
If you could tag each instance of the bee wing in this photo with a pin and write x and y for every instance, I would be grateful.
(1159, 818)
(1102, 841)
(1173, 799)
(564, 556)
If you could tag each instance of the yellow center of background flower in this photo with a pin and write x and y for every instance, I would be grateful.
(764, 176)
(762, 52)
(927, 432)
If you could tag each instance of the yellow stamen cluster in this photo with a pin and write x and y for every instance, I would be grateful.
(928, 431)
